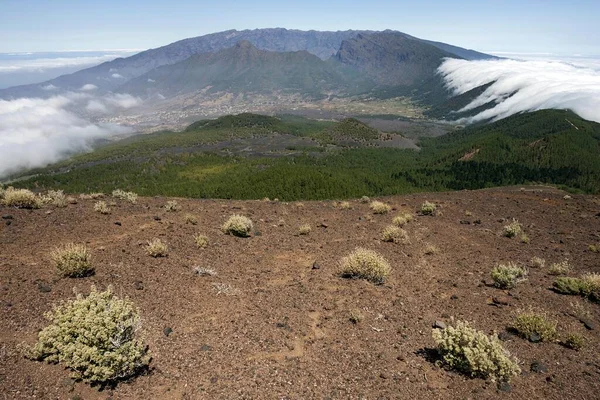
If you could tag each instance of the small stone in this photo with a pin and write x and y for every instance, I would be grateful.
(454, 297)
(539, 367)
(118, 223)
(7, 216)
(501, 300)
(588, 323)
(323, 225)
(465, 222)
(157, 218)
(477, 222)
(535, 337)
(504, 336)
(316, 265)
(8, 222)
(504, 387)
(205, 347)
(44, 288)
(383, 375)
(167, 331)
(439, 325)
(138, 285)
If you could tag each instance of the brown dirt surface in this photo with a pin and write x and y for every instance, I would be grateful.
(269, 326)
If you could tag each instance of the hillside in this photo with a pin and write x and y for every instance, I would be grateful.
(271, 317)
(244, 68)
(292, 158)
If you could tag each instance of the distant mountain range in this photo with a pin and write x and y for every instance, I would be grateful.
(310, 63)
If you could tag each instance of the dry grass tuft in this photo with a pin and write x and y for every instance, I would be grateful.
(238, 225)
(560, 268)
(73, 260)
(56, 198)
(365, 264)
(190, 219)
(402, 219)
(123, 195)
(394, 234)
(535, 326)
(20, 198)
(304, 229)
(379, 207)
(201, 241)
(512, 230)
(506, 276)
(428, 208)
(102, 207)
(172, 206)
(430, 249)
(537, 262)
(157, 248)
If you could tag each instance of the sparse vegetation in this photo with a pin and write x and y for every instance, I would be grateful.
(365, 264)
(203, 271)
(304, 229)
(430, 249)
(344, 205)
(428, 208)
(588, 286)
(379, 207)
(394, 234)
(574, 341)
(403, 219)
(123, 195)
(172, 206)
(157, 248)
(73, 260)
(535, 326)
(594, 248)
(356, 316)
(506, 276)
(201, 241)
(512, 230)
(190, 219)
(473, 352)
(524, 238)
(537, 262)
(20, 198)
(560, 268)
(102, 207)
(365, 199)
(97, 337)
(56, 198)
(238, 225)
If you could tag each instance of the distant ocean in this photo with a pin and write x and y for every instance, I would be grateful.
(25, 68)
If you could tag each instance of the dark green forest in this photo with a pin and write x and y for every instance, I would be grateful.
(551, 147)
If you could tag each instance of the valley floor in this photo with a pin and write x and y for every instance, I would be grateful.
(270, 326)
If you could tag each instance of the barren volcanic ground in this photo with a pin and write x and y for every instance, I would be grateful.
(269, 326)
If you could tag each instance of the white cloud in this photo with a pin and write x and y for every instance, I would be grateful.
(88, 87)
(521, 86)
(151, 80)
(117, 76)
(36, 132)
(49, 87)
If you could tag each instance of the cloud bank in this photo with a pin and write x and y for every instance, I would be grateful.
(36, 132)
(521, 86)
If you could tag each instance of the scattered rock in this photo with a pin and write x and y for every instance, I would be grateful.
(539, 367)
(477, 222)
(465, 222)
(118, 223)
(504, 336)
(454, 297)
(383, 375)
(157, 218)
(439, 325)
(501, 300)
(504, 387)
(138, 285)
(205, 347)
(167, 331)
(535, 337)
(8, 222)
(44, 288)
(588, 323)
(316, 265)
(7, 216)
(323, 225)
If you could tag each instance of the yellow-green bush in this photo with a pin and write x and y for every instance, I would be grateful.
(379, 207)
(473, 352)
(172, 206)
(403, 219)
(513, 229)
(560, 268)
(574, 341)
(156, 248)
(201, 241)
(238, 225)
(123, 195)
(190, 219)
(365, 264)
(535, 326)
(56, 198)
(73, 260)
(304, 229)
(20, 198)
(97, 337)
(506, 276)
(102, 207)
(394, 234)
(428, 208)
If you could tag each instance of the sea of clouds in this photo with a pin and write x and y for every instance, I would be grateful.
(35, 132)
(529, 84)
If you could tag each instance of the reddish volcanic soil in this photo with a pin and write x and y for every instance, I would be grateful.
(283, 329)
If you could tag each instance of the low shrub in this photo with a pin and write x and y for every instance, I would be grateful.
(365, 264)
(470, 351)
(535, 326)
(73, 260)
(379, 207)
(538, 262)
(21, 198)
(403, 219)
(304, 229)
(568, 285)
(430, 249)
(506, 276)
(123, 195)
(190, 219)
(238, 225)
(56, 198)
(157, 248)
(356, 316)
(560, 268)
(588, 286)
(172, 206)
(512, 230)
(344, 205)
(102, 207)
(574, 341)
(394, 234)
(97, 337)
(365, 199)
(428, 208)
(201, 241)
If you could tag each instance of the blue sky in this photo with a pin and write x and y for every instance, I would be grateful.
(549, 26)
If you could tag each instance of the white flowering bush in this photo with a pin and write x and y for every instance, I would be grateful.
(238, 225)
(365, 264)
